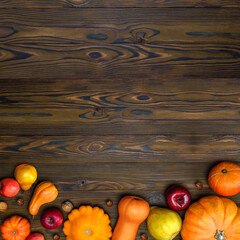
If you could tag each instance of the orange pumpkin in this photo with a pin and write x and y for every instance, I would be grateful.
(212, 218)
(224, 179)
(15, 228)
(87, 223)
(132, 212)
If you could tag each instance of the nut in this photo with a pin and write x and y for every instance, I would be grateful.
(3, 207)
(20, 202)
(109, 203)
(56, 237)
(144, 236)
(67, 206)
(199, 185)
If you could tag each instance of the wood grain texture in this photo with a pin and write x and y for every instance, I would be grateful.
(45, 28)
(117, 4)
(209, 89)
(123, 148)
(168, 120)
(38, 43)
(121, 60)
(104, 93)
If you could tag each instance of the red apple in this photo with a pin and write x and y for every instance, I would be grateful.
(178, 198)
(35, 236)
(52, 218)
(9, 187)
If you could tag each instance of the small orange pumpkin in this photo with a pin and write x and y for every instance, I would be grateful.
(132, 212)
(224, 179)
(45, 192)
(87, 223)
(212, 218)
(15, 228)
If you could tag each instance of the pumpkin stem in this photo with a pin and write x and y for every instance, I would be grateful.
(220, 235)
(224, 171)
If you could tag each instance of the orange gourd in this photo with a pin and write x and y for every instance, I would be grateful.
(45, 192)
(87, 223)
(132, 212)
(224, 179)
(212, 218)
(15, 228)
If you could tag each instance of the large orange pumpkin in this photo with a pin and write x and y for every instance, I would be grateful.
(15, 228)
(224, 179)
(212, 218)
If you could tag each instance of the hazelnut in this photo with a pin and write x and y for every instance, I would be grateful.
(67, 206)
(109, 203)
(56, 237)
(20, 202)
(199, 185)
(3, 207)
(144, 236)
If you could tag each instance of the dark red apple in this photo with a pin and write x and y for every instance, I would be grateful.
(35, 236)
(178, 198)
(51, 218)
(9, 187)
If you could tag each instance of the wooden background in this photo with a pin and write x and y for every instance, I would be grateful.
(108, 98)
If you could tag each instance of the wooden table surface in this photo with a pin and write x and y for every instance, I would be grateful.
(108, 98)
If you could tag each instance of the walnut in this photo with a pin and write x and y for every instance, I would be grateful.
(67, 206)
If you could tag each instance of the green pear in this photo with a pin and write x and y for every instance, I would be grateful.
(163, 223)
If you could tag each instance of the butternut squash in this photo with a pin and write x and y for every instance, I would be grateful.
(132, 212)
(45, 192)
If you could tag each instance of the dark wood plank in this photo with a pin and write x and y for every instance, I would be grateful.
(134, 96)
(117, 4)
(116, 120)
(38, 43)
(122, 60)
(123, 148)
(120, 177)
(47, 29)
(119, 93)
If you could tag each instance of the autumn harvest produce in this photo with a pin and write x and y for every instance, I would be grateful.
(45, 192)
(212, 217)
(87, 223)
(26, 175)
(15, 228)
(224, 179)
(35, 236)
(178, 198)
(132, 212)
(163, 223)
(52, 218)
(9, 187)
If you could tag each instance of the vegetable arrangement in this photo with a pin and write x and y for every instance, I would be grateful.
(211, 217)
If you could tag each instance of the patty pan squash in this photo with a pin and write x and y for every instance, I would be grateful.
(87, 223)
